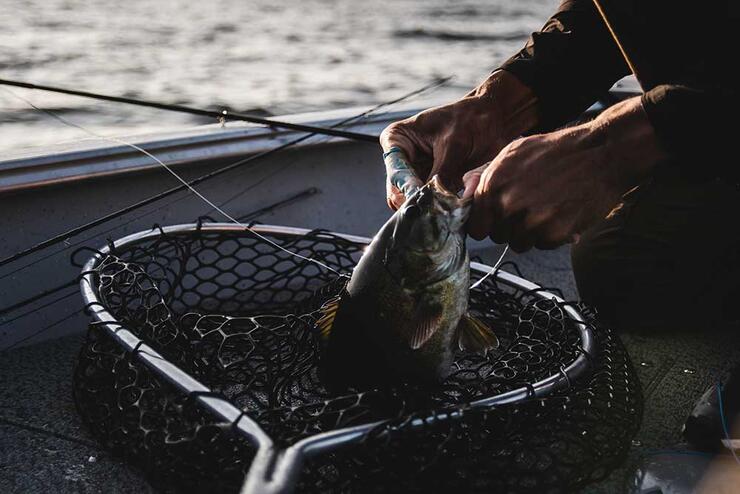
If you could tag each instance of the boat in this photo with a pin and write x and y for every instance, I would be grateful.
(322, 182)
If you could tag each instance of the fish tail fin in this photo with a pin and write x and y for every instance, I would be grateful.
(325, 323)
(473, 335)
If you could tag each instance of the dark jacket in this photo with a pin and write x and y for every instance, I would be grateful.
(682, 53)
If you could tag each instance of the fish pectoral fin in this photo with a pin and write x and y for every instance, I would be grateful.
(325, 323)
(423, 331)
(474, 336)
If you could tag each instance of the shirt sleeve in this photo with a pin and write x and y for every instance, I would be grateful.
(694, 125)
(569, 63)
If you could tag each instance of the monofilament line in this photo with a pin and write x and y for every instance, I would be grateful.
(493, 269)
(178, 177)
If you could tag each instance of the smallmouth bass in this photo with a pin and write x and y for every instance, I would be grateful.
(403, 314)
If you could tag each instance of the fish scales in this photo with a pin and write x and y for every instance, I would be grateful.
(402, 316)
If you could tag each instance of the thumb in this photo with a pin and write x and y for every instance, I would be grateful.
(447, 161)
(471, 180)
(401, 179)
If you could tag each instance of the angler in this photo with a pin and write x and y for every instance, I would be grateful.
(633, 189)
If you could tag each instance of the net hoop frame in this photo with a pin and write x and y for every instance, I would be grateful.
(273, 469)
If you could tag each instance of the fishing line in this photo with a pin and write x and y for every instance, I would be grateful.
(246, 217)
(222, 115)
(103, 219)
(182, 180)
(188, 185)
(493, 269)
(364, 114)
(32, 311)
(42, 330)
(279, 170)
(37, 297)
(69, 245)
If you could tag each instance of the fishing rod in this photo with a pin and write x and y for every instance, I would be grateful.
(65, 236)
(69, 244)
(219, 115)
(103, 219)
(250, 216)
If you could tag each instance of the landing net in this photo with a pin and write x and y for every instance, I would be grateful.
(238, 315)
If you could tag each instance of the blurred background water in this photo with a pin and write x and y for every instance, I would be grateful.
(281, 56)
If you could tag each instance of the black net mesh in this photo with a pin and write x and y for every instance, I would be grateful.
(238, 314)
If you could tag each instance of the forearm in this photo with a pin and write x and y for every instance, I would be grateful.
(628, 142)
(569, 63)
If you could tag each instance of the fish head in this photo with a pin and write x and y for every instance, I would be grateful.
(431, 217)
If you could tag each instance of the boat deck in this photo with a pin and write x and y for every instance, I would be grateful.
(46, 448)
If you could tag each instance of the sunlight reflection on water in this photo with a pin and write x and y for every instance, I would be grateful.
(283, 57)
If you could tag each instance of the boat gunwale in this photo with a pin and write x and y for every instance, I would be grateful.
(90, 159)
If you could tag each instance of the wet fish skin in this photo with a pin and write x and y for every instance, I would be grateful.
(399, 318)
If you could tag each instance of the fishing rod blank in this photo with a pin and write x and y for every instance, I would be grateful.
(66, 235)
(103, 219)
(219, 115)
(250, 216)
(111, 216)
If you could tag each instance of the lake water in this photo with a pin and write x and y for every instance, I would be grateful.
(281, 56)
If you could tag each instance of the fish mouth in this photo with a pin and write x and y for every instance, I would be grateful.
(428, 251)
(436, 183)
(439, 247)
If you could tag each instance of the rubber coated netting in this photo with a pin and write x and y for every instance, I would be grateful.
(238, 315)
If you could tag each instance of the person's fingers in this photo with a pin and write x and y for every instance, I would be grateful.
(523, 232)
(559, 230)
(392, 136)
(394, 197)
(471, 180)
(500, 231)
(484, 211)
(478, 222)
(538, 228)
(400, 135)
(401, 180)
(450, 156)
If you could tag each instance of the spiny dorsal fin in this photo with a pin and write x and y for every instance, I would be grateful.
(474, 336)
(328, 314)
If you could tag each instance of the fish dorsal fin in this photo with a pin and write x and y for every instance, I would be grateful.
(325, 323)
(424, 329)
(474, 336)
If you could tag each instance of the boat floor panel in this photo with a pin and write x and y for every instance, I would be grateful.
(34, 462)
(45, 447)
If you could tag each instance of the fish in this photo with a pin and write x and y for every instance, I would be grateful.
(403, 314)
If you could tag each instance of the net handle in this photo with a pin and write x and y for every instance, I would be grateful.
(275, 471)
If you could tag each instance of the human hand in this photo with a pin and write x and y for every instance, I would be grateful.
(545, 189)
(451, 139)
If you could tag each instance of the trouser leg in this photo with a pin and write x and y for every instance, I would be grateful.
(668, 256)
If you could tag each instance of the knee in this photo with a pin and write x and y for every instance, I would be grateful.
(590, 267)
(606, 277)
(628, 283)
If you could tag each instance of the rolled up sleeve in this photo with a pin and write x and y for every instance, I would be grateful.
(569, 63)
(695, 127)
